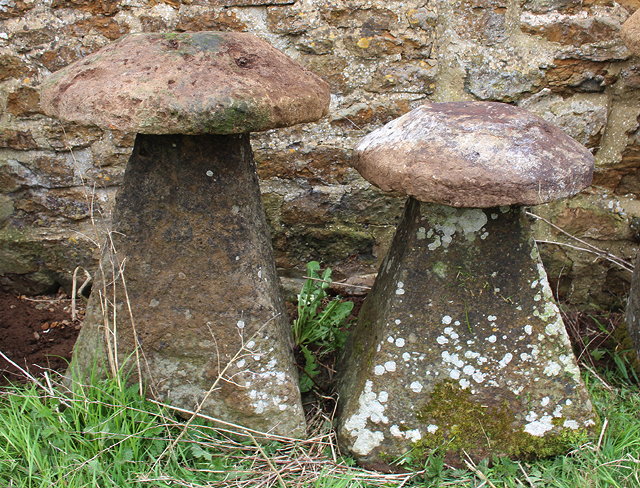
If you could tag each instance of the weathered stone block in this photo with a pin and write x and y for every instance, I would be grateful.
(602, 24)
(208, 323)
(208, 20)
(13, 67)
(23, 102)
(460, 347)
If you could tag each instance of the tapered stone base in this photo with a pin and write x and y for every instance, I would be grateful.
(191, 236)
(460, 346)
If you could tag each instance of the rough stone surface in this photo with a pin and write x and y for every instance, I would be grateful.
(381, 59)
(474, 154)
(630, 33)
(189, 83)
(201, 284)
(633, 308)
(460, 346)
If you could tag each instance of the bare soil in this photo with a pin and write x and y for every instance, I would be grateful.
(36, 333)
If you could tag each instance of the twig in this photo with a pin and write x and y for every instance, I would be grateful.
(611, 257)
(340, 283)
(75, 291)
(604, 427)
(268, 461)
(476, 471)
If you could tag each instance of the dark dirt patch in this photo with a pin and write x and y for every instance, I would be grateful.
(35, 333)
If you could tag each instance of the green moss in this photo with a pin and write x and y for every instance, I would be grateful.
(482, 431)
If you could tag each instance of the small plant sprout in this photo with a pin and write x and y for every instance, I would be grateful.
(319, 328)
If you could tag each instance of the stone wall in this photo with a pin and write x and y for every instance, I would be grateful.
(561, 59)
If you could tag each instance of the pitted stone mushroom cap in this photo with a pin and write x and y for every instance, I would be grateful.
(186, 83)
(630, 33)
(474, 154)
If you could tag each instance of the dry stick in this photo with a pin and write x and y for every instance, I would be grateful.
(337, 283)
(266, 458)
(605, 254)
(480, 474)
(75, 291)
(604, 427)
(242, 431)
(136, 347)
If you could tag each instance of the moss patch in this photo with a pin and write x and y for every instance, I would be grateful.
(482, 431)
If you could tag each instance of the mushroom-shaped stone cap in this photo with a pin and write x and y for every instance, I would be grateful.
(630, 33)
(186, 83)
(474, 154)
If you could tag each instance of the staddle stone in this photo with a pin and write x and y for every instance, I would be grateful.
(187, 300)
(460, 347)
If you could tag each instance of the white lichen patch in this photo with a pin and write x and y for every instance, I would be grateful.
(442, 340)
(552, 369)
(492, 338)
(379, 370)
(390, 366)
(449, 221)
(446, 320)
(506, 359)
(571, 424)
(416, 386)
(421, 234)
(370, 409)
(539, 427)
(528, 329)
(400, 288)
(399, 342)
(431, 428)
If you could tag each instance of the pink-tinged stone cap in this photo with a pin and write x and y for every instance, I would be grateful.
(630, 33)
(186, 83)
(474, 154)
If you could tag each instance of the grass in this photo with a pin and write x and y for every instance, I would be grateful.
(106, 435)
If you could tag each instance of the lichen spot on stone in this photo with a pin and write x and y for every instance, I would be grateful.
(552, 369)
(390, 366)
(440, 269)
(492, 338)
(571, 424)
(240, 324)
(400, 288)
(539, 427)
(370, 408)
(416, 386)
(446, 320)
(421, 234)
(379, 370)
(431, 428)
(528, 329)
(400, 342)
